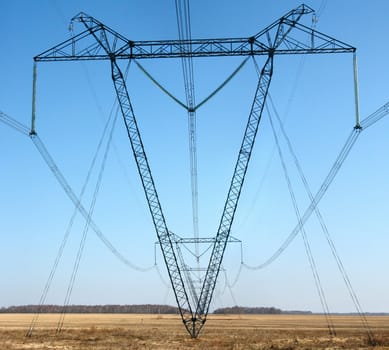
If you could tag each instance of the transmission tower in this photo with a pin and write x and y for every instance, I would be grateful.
(286, 36)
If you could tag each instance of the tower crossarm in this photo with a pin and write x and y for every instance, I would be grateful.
(312, 42)
(304, 41)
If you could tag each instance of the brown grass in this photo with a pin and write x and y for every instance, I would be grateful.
(161, 332)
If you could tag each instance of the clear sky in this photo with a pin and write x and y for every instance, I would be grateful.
(313, 94)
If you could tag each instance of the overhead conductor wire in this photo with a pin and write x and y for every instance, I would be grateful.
(185, 34)
(73, 216)
(67, 232)
(77, 201)
(325, 230)
(307, 245)
(42, 149)
(344, 152)
(365, 123)
(315, 19)
(86, 227)
(6, 119)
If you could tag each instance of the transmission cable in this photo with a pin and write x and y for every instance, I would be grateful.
(155, 81)
(229, 286)
(190, 251)
(237, 277)
(308, 250)
(223, 84)
(73, 197)
(101, 114)
(42, 149)
(320, 11)
(70, 224)
(265, 174)
(219, 292)
(187, 275)
(365, 123)
(344, 152)
(315, 19)
(14, 124)
(86, 228)
(68, 230)
(206, 99)
(375, 117)
(319, 195)
(167, 285)
(325, 230)
(65, 185)
(185, 35)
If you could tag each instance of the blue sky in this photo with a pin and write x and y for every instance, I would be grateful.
(313, 94)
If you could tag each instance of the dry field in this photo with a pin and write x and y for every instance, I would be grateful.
(103, 331)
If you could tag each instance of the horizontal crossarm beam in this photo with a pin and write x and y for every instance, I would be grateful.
(82, 47)
(199, 48)
(201, 240)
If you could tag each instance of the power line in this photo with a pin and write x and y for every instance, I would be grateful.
(375, 117)
(68, 230)
(315, 18)
(185, 34)
(155, 81)
(343, 154)
(230, 286)
(205, 100)
(72, 196)
(323, 225)
(75, 212)
(319, 195)
(52, 165)
(365, 123)
(86, 228)
(13, 123)
(307, 245)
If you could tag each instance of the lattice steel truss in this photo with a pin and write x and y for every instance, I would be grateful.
(99, 42)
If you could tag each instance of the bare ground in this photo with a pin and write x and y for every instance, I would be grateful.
(130, 332)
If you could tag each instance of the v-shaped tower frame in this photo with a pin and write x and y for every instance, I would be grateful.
(99, 42)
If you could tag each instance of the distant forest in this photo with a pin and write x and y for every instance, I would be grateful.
(92, 309)
(137, 309)
(154, 309)
(248, 310)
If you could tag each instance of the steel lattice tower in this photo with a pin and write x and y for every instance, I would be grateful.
(286, 36)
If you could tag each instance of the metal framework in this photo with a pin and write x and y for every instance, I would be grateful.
(99, 42)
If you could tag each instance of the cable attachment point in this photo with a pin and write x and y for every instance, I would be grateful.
(315, 19)
(71, 27)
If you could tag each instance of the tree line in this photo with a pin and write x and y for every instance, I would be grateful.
(92, 309)
(234, 310)
(138, 309)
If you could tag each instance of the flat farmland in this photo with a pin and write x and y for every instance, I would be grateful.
(133, 331)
